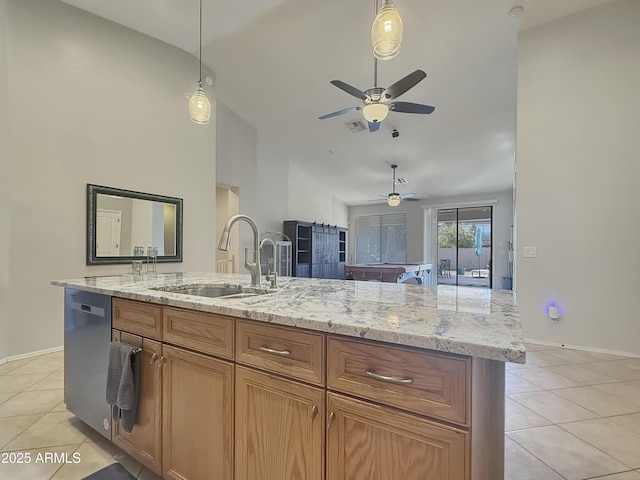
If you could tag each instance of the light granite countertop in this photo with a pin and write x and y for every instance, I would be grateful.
(465, 320)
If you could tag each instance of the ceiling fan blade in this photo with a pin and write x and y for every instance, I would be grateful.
(409, 197)
(339, 112)
(404, 84)
(408, 107)
(374, 126)
(349, 89)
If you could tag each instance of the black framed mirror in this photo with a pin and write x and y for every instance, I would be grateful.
(119, 220)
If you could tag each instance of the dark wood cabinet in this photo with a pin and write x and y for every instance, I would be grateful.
(319, 250)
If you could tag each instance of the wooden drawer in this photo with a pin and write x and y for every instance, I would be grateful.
(204, 332)
(290, 352)
(431, 384)
(141, 318)
(366, 441)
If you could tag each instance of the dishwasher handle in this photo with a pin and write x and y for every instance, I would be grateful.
(87, 309)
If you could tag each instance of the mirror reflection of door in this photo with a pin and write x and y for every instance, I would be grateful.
(108, 226)
(465, 247)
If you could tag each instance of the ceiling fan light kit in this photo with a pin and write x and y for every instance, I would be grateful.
(375, 112)
(394, 199)
(378, 101)
(199, 105)
(386, 32)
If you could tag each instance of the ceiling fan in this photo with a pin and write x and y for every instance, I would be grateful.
(394, 198)
(377, 100)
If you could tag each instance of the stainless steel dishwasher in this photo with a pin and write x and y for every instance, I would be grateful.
(87, 334)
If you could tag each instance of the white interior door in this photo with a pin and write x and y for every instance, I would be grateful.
(108, 225)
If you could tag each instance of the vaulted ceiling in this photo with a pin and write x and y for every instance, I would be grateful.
(274, 60)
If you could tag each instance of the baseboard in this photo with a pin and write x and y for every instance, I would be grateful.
(586, 349)
(30, 354)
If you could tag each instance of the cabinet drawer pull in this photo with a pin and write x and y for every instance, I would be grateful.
(284, 353)
(161, 361)
(384, 378)
(332, 417)
(154, 357)
(314, 413)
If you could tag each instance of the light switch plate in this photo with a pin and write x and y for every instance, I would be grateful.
(529, 252)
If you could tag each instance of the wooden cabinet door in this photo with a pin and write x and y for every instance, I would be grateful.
(144, 442)
(371, 442)
(197, 420)
(280, 430)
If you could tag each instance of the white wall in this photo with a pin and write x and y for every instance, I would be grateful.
(313, 201)
(92, 102)
(273, 188)
(236, 151)
(4, 185)
(288, 193)
(142, 224)
(578, 165)
(416, 228)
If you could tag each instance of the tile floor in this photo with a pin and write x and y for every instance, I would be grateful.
(570, 415)
(34, 420)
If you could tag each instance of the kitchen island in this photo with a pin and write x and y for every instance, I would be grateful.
(317, 379)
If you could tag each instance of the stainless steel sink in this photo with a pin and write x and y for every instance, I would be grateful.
(216, 291)
(210, 291)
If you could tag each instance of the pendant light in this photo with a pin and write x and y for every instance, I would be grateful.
(199, 105)
(386, 31)
(394, 198)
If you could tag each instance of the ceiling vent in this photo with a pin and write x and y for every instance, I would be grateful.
(356, 127)
(401, 181)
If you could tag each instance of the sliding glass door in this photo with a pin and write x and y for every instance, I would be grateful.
(464, 246)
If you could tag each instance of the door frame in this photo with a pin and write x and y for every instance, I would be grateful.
(458, 221)
(430, 247)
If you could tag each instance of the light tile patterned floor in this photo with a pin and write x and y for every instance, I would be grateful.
(574, 415)
(34, 420)
(570, 414)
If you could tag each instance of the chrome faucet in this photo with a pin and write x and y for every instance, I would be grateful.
(272, 277)
(225, 240)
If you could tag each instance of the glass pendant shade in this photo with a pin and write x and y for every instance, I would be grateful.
(386, 32)
(394, 199)
(375, 112)
(199, 106)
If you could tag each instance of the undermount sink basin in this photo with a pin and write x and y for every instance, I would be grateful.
(210, 291)
(215, 291)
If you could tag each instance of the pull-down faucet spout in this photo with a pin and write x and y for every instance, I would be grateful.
(225, 240)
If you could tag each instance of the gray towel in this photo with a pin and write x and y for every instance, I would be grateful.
(123, 377)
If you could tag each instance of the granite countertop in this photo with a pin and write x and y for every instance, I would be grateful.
(465, 320)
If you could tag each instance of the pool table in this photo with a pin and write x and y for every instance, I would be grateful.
(388, 272)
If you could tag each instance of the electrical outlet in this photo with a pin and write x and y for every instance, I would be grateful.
(529, 252)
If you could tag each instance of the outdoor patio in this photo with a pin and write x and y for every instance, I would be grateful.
(471, 278)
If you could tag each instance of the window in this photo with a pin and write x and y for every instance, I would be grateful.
(381, 238)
